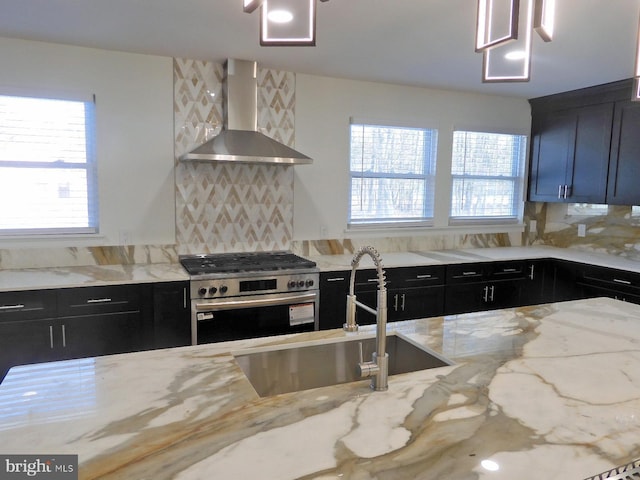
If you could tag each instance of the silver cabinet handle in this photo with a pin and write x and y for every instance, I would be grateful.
(335, 279)
(559, 191)
(485, 296)
(531, 270)
(624, 282)
(12, 307)
(51, 335)
(424, 276)
(566, 192)
(493, 289)
(395, 302)
(64, 337)
(372, 279)
(184, 297)
(469, 273)
(99, 300)
(403, 298)
(509, 270)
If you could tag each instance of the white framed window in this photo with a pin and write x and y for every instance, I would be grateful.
(48, 179)
(487, 171)
(392, 175)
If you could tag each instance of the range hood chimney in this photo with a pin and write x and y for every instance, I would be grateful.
(239, 141)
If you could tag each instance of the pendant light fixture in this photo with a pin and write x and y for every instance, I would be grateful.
(285, 22)
(503, 35)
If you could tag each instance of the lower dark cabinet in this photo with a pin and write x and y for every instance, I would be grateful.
(412, 303)
(171, 315)
(473, 297)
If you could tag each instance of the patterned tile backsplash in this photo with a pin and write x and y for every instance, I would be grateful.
(231, 207)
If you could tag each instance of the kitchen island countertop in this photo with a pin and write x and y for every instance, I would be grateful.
(549, 391)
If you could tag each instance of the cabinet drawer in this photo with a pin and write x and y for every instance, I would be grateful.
(619, 280)
(27, 305)
(466, 272)
(96, 300)
(366, 280)
(507, 270)
(423, 276)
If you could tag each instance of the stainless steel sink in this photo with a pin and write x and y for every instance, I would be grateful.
(291, 368)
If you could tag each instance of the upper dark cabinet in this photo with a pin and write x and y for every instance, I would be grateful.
(584, 146)
(570, 155)
(622, 187)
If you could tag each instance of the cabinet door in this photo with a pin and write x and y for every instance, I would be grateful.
(570, 155)
(503, 294)
(538, 284)
(412, 303)
(587, 179)
(171, 315)
(94, 335)
(24, 342)
(564, 281)
(624, 171)
(553, 140)
(464, 298)
(334, 287)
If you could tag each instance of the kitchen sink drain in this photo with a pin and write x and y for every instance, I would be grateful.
(630, 471)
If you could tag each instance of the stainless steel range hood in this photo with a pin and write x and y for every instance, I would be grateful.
(239, 141)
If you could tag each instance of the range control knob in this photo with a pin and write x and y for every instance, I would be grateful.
(309, 283)
(202, 291)
(223, 289)
(212, 290)
(291, 284)
(300, 283)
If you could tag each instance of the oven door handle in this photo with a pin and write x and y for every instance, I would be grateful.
(258, 302)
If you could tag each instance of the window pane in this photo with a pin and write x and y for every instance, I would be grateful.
(383, 149)
(478, 153)
(487, 175)
(47, 169)
(43, 198)
(481, 198)
(392, 173)
(388, 199)
(42, 130)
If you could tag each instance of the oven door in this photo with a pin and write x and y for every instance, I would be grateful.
(220, 320)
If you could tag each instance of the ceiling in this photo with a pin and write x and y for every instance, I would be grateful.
(427, 43)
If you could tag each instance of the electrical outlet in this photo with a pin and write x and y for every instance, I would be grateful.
(582, 230)
(125, 237)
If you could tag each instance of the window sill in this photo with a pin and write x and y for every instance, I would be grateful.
(406, 230)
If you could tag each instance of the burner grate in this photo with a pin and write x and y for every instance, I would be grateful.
(243, 262)
(630, 471)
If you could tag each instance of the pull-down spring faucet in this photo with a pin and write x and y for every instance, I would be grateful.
(378, 367)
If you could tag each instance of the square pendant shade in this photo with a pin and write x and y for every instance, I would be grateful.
(250, 5)
(511, 62)
(544, 18)
(300, 31)
(497, 23)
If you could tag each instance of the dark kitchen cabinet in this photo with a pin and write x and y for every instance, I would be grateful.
(47, 325)
(538, 282)
(171, 315)
(564, 281)
(334, 287)
(484, 286)
(570, 154)
(415, 292)
(624, 170)
(593, 281)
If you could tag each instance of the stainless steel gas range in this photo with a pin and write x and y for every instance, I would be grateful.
(254, 294)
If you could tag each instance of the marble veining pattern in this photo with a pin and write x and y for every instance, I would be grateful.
(550, 391)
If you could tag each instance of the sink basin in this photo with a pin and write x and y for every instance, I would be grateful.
(291, 368)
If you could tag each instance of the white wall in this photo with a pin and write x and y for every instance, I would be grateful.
(134, 115)
(324, 107)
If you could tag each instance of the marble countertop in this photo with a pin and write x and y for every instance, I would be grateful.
(549, 391)
(470, 255)
(95, 275)
(87, 276)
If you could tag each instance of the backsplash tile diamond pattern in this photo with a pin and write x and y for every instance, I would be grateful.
(224, 207)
